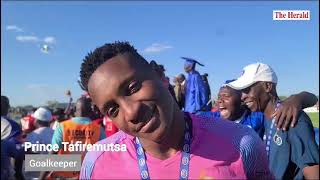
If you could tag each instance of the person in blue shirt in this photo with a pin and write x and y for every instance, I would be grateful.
(292, 154)
(8, 150)
(14, 137)
(195, 92)
(231, 108)
(16, 128)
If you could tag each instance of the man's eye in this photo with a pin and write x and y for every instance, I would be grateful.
(113, 112)
(246, 90)
(133, 87)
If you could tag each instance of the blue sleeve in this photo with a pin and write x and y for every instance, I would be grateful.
(201, 97)
(304, 150)
(102, 133)
(190, 95)
(57, 136)
(256, 121)
(193, 94)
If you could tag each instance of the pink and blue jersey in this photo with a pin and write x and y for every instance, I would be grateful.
(219, 150)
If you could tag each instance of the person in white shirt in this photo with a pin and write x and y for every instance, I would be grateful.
(43, 133)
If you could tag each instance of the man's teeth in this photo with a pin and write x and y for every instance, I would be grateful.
(249, 103)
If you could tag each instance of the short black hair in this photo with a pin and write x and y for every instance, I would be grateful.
(100, 55)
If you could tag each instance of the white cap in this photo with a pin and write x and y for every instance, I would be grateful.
(42, 114)
(5, 128)
(253, 73)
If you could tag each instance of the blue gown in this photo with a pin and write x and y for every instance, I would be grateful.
(195, 93)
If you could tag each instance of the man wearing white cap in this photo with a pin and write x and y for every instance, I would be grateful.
(292, 154)
(43, 133)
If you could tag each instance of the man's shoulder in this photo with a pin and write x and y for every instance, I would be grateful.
(16, 128)
(303, 117)
(65, 121)
(213, 123)
(93, 156)
(117, 138)
(46, 130)
(194, 74)
(303, 124)
(236, 138)
(224, 129)
(255, 114)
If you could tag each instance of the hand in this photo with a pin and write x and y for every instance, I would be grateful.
(287, 113)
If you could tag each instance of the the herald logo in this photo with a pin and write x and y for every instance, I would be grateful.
(281, 15)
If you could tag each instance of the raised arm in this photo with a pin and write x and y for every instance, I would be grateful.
(68, 108)
(289, 110)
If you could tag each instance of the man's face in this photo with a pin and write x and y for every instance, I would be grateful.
(187, 67)
(179, 79)
(255, 97)
(133, 96)
(229, 102)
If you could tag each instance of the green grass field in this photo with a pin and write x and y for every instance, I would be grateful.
(314, 118)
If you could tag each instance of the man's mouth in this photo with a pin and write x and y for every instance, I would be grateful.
(249, 104)
(223, 111)
(221, 108)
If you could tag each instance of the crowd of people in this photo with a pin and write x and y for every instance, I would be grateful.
(45, 126)
(170, 131)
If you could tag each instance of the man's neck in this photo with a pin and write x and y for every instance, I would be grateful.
(191, 71)
(172, 142)
(270, 108)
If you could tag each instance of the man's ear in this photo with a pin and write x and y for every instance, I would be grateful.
(268, 86)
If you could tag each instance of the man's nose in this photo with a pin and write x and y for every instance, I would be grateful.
(130, 109)
(219, 101)
(243, 96)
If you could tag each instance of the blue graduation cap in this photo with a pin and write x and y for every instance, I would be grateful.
(190, 61)
(229, 81)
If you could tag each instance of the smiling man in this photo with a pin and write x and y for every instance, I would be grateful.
(292, 154)
(231, 108)
(162, 142)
